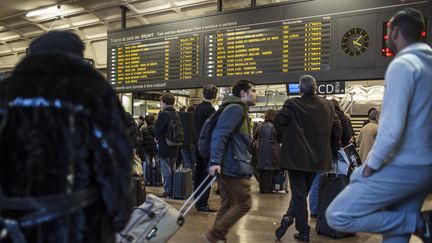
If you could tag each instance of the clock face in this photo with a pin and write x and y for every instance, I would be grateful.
(355, 42)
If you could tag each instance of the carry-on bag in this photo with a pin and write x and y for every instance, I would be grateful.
(138, 190)
(182, 185)
(330, 186)
(280, 181)
(156, 221)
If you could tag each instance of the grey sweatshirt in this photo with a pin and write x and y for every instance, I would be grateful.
(405, 130)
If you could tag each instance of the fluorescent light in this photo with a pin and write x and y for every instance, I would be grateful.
(43, 11)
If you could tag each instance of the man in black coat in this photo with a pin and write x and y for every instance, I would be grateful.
(202, 112)
(79, 142)
(310, 133)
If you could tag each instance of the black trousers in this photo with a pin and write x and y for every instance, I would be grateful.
(300, 183)
(201, 173)
(265, 181)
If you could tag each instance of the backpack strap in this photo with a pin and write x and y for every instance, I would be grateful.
(45, 209)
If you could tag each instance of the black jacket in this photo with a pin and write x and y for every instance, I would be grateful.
(187, 121)
(149, 143)
(308, 127)
(266, 147)
(202, 112)
(35, 162)
(346, 128)
(161, 127)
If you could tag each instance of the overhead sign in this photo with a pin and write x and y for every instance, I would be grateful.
(324, 88)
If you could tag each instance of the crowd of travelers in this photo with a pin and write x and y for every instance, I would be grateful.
(69, 152)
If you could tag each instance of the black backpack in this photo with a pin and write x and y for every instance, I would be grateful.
(174, 135)
(207, 131)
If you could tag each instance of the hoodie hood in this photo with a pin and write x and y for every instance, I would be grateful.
(235, 100)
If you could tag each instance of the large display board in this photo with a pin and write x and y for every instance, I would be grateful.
(275, 44)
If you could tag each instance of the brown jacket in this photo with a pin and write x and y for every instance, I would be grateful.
(366, 139)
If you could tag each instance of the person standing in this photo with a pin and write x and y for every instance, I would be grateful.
(202, 112)
(386, 194)
(367, 135)
(167, 154)
(266, 151)
(310, 133)
(230, 159)
(187, 149)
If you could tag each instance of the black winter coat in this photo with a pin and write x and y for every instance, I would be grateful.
(149, 143)
(187, 121)
(310, 133)
(266, 147)
(346, 128)
(41, 156)
(202, 112)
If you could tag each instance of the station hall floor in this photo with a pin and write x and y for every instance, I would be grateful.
(259, 224)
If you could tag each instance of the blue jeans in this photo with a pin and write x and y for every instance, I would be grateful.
(189, 158)
(313, 194)
(388, 202)
(167, 166)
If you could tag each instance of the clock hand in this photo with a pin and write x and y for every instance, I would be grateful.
(358, 38)
(358, 48)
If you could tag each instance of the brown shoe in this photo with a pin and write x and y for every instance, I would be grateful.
(209, 239)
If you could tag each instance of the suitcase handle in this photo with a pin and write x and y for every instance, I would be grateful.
(183, 210)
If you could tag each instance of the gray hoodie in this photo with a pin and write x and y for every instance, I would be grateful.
(405, 130)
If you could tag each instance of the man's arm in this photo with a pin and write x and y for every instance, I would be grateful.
(281, 119)
(400, 87)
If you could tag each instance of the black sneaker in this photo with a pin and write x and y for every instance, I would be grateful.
(427, 229)
(301, 237)
(286, 222)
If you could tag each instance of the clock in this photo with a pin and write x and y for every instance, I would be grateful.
(355, 42)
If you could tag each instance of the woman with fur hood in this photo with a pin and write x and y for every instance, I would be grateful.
(65, 155)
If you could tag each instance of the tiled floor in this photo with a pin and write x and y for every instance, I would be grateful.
(259, 224)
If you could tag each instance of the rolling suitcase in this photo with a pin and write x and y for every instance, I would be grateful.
(138, 190)
(182, 183)
(280, 181)
(330, 186)
(156, 221)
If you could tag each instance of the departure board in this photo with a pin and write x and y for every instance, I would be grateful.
(269, 49)
(272, 44)
(163, 59)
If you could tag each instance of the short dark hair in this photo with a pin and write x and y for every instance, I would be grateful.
(410, 21)
(210, 91)
(307, 84)
(168, 99)
(371, 109)
(141, 118)
(269, 115)
(242, 84)
(373, 116)
(149, 119)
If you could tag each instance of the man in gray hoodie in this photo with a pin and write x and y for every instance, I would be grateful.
(386, 195)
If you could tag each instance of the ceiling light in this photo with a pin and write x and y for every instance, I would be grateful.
(43, 11)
